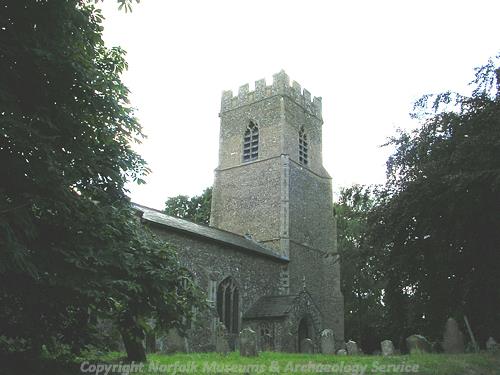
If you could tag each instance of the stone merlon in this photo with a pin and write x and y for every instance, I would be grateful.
(280, 86)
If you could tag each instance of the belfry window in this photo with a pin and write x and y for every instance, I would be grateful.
(228, 305)
(303, 147)
(251, 142)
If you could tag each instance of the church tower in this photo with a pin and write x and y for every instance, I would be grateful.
(270, 184)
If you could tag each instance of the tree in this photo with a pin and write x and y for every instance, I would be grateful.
(362, 277)
(196, 209)
(71, 246)
(436, 222)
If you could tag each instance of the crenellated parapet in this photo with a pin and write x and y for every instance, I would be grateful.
(280, 86)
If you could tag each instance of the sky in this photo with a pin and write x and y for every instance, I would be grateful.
(368, 60)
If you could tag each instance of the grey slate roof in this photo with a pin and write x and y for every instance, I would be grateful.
(270, 307)
(211, 233)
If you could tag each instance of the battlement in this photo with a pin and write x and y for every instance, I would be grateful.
(280, 86)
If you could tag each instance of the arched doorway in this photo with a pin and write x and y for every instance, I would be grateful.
(305, 331)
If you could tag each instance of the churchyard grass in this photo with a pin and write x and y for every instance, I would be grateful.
(286, 363)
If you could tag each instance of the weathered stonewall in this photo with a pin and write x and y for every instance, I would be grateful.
(327, 341)
(491, 344)
(387, 347)
(341, 352)
(352, 347)
(248, 343)
(221, 344)
(418, 344)
(307, 346)
(453, 338)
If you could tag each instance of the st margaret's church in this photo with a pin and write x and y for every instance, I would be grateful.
(268, 260)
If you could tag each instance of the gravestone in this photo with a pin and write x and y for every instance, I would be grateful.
(491, 344)
(327, 342)
(221, 343)
(171, 342)
(341, 352)
(352, 347)
(387, 347)
(266, 343)
(453, 338)
(418, 344)
(307, 346)
(248, 343)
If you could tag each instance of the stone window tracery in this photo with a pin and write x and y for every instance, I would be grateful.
(251, 142)
(228, 302)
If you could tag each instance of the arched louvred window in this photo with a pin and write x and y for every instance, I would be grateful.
(251, 142)
(228, 304)
(303, 147)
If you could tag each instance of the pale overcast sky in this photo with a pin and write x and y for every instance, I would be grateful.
(368, 60)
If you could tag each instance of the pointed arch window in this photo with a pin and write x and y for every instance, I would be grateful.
(228, 303)
(303, 147)
(251, 142)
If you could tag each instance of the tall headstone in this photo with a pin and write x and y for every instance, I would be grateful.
(453, 338)
(327, 340)
(307, 346)
(352, 347)
(418, 344)
(387, 347)
(491, 344)
(221, 343)
(248, 343)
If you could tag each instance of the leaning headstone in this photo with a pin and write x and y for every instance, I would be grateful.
(453, 338)
(341, 352)
(387, 347)
(327, 342)
(418, 344)
(491, 344)
(221, 343)
(248, 343)
(352, 347)
(307, 346)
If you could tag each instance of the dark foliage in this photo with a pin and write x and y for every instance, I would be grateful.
(424, 247)
(362, 276)
(196, 209)
(70, 245)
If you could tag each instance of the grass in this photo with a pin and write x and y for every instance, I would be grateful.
(287, 363)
